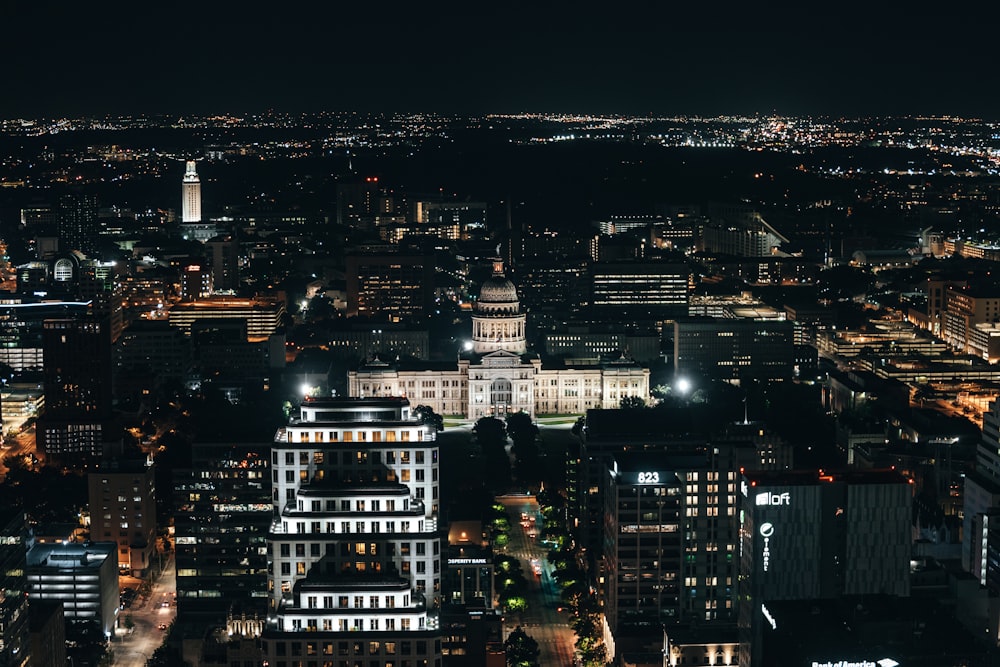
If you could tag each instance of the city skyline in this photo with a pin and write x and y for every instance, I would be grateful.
(401, 57)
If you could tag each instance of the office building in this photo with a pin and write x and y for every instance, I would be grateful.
(22, 320)
(123, 510)
(966, 307)
(807, 535)
(263, 315)
(386, 284)
(84, 578)
(14, 643)
(191, 193)
(740, 230)
(222, 514)
(78, 422)
(553, 287)
(706, 456)
(644, 539)
(354, 547)
(733, 350)
(583, 340)
(640, 289)
(76, 213)
(496, 375)
(359, 202)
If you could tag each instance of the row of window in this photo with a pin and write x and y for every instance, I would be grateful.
(352, 457)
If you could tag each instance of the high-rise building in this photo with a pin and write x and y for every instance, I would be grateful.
(224, 258)
(77, 219)
(810, 535)
(191, 194)
(14, 601)
(123, 510)
(78, 420)
(222, 514)
(354, 549)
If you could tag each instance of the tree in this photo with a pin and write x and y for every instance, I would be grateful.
(491, 434)
(632, 403)
(521, 649)
(523, 433)
(490, 431)
(521, 429)
(426, 415)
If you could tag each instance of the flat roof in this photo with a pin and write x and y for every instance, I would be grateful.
(814, 477)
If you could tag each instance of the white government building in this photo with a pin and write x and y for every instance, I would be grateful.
(498, 376)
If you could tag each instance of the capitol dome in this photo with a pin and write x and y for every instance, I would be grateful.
(498, 289)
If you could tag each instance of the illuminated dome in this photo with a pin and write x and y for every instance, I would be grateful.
(498, 289)
(498, 324)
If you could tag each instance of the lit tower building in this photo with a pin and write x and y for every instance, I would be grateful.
(191, 194)
(354, 547)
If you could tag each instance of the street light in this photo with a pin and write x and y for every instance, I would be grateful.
(683, 385)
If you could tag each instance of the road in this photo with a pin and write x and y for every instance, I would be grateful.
(542, 620)
(22, 444)
(133, 649)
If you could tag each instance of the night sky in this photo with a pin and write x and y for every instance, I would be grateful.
(215, 56)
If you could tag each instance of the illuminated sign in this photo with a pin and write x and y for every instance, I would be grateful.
(768, 498)
(466, 561)
(884, 662)
(768, 617)
(649, 478)
(766, 531)
(744, 489)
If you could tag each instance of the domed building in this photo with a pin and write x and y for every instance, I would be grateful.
(498, 376)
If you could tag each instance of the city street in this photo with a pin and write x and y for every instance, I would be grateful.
(542, 620)
(133, 649)
(22, 444)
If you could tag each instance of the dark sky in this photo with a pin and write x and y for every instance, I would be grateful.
(64, 58)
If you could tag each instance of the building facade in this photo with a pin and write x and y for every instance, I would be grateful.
(808, 535)
(83, 577)
(354, 548)
(123, 510)
(14, 644)
(222, 514)
(78, 421)
(191, 193)
(734, 349)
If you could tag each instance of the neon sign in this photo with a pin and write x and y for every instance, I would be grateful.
(766, 531)
(768, 498)
(767, 616)
(649, 478)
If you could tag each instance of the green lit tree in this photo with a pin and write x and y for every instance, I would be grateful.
(521, 649)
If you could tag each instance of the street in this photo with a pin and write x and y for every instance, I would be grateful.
(542, 620)
(133, 649)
